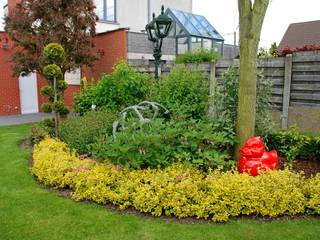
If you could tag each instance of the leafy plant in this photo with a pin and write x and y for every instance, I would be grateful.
(41, 130)
(226, 101)
(185, 92)
(294, 145)
(124, 87)
(198, 56)
(316, 144)
(287, 50)
(161, 143)
(81, 131)
(270, 53)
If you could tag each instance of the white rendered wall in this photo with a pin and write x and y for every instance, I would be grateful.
(184, 5)
(134, 14)
(105, 27)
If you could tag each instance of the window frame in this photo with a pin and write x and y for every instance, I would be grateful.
(105, 12)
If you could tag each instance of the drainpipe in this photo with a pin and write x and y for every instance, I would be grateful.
(149, 11)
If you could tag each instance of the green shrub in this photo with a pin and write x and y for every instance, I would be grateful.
(46, 108)
(54, 53)
(52, 72)
(177, 190)
(226, 101)
(81, 131)
(185, 92)
(161, 143)
(124, 87)
(41, 130)
(198, 56)
(316, 144)
(294, 145)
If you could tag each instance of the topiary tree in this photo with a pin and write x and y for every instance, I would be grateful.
(54, 57)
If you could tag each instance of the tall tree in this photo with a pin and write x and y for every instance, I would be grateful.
(35, 23)
(251, 17)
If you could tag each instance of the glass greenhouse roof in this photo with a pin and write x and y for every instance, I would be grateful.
(194, 25)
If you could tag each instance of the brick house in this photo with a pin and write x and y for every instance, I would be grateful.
(120, 36)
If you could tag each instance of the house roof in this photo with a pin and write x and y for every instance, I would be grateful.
(194, 25)
(301, 34)
(114, 30)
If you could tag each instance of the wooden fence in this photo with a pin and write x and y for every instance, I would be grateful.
(296, 78)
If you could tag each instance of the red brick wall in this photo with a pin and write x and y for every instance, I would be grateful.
(68, 94)
(9, 85)
(111, 48)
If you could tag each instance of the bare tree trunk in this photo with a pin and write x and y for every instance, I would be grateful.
(56, 114)
(251, 18)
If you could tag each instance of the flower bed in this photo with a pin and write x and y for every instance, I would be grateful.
(178, 190)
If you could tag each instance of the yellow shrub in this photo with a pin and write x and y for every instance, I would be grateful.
(177, 190)
(312, 193)
(52, 160)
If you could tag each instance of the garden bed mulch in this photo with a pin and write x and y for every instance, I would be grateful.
(309, 167)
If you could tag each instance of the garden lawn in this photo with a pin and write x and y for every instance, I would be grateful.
(29, 211)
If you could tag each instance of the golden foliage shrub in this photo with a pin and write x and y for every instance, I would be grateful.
(178, 190)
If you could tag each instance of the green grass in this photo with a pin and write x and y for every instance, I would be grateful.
(29, 211)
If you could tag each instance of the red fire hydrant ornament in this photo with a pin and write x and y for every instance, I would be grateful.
(254, 158)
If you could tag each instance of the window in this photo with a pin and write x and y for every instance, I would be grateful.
(106, 10)
(73, 77)
(217, 47)
(207, 44)
(182, 45)
(196, 43)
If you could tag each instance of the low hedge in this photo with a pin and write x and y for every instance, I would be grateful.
(81, 131)
(178, 190)
(293, 144)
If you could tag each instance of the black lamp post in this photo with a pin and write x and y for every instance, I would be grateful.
(157, 30)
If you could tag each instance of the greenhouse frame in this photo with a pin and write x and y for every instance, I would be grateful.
(194, 32)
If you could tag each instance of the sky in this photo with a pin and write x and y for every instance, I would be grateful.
(223, 14)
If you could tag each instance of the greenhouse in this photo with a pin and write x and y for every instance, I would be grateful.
(193, 32)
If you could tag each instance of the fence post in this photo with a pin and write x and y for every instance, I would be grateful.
(286, 91)
(212, 87)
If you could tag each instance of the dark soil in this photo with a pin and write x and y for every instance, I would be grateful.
(309, 167)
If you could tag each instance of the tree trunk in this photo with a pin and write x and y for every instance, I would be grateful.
(251, 18)
(247, 92)
(56, 114)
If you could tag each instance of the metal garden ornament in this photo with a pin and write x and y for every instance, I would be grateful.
(139, 110)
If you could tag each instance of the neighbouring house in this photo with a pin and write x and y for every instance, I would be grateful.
(301, 34)
(120, 36)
